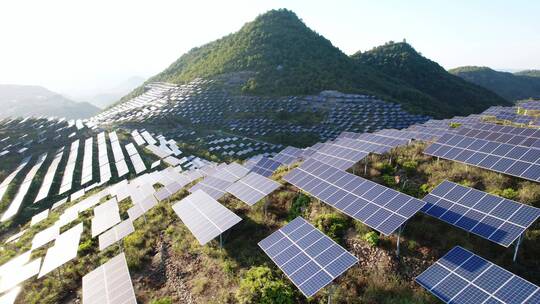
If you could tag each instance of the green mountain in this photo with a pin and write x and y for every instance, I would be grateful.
(450, 93)
(521, 85)
(277, 54)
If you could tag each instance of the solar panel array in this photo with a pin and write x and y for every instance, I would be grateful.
(137, 138)
(288, 156)
(45, 236)
(494, 218)
(110, 283)
(463, 277)
(86, 175)
(525, 137)
(49, 177)
(338, 156)
(149, 139)
(104, 168)
(115, 234)
(136, 159)
(505, 158)
(370, 142)
(106, 215)
(213, 186)
(310, 259)
(67, 178)
(204, 216)
(120, 162)
(15, 204)
(252, 188)
(533, 105)
(265, 167)
(377, 206)
(64, 249)
(5, 183)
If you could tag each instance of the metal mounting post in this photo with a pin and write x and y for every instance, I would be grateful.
(399, 231)
(220, 241)
(517, 243)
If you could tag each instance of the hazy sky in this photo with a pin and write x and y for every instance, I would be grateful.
(74, 46)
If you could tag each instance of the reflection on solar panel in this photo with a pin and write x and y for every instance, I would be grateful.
(149, 139)
(250, 163)
(49, 177)
(10, 296)
(136, 159)
(9, 178)
(86, 175)
(44, 236)
(265, 167)
(64, 249)
(11, 277)
(204, 216)
(23, 189)
(106, 215)
(141, 207)
(67, 178)
(338, 156)
(213, 186)
(120, 162)
(370, 142)
(168, 191)
(494, 218)
(110, 283)
(231, 172)
(310, 259)
(288, 156)
(115, 234)
(460, 276)
(104, 168)
(252, 188)
(513, 160)
(137, 138)
(377, 206)
(158, 151)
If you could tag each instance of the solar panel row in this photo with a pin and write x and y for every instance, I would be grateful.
(288, 156)
(338, 156)
(252, 188)
(513, 160)
(213, 186)
(49, 177)
(104, 167)
(86, 175)
(463, 277)
(67, 178)
(491, 217)
(377, 206)
(265, 167)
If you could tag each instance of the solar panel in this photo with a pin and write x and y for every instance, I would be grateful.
(18, 274)
(204, 216)
(64, 249)
(460, 276)
(10, 296)
(106, 215)
(140, 208)
(39, 217)
(5, 183)
(510, 135)
(266, 167)
(252, 188)
(136, 159)
(310, 259)
(505, 158)
(67, 178)
(110, 283)
(49, 177)
(288, 156)
(44, 236)
(494, 218)
(86, 175)
(338, 156)
(370, 142)
(231, 172)
(377, 206)
(213, 186)
(115, 234)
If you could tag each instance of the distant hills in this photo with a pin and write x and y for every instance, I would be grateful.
(108, 96)
(282, 56)
(26, 100)
(512, 86)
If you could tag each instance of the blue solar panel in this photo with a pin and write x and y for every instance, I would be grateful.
(310, 259)
(494, 218)
(265, 167)
(377, 206)
(460, 276)
(513, 160)
(338, 156)
(288, 156)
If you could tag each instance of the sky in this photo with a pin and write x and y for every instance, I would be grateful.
(80, 47)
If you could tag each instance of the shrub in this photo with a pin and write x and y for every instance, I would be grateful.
(387, 169)
(165, 300)
(334, 225)
(455, 125)
(509, 193)
(298, 206)
(372, 238)
(389, 180)
(259, 285)
(410, 166)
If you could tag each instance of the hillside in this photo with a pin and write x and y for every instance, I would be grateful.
(24, 100)
(285, 57)
(449, 92)
(516, 86)
(106, 97)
